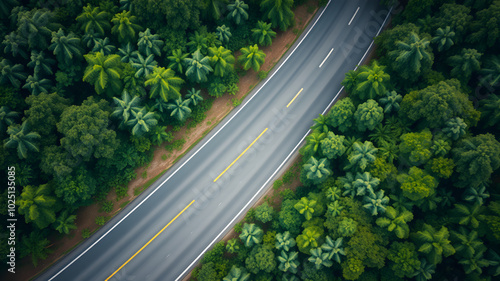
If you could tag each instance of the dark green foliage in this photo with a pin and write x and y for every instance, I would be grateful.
(237, 11)
(77, 188)
(261, 259)
(66, 47)
(35, 244)
(368, 115)
(289, 218)
(404, 259)
(22, 139)
(434, 243)
(465, 64)
(412, 57)
(490, 109)
(341, 115)
(315, 171)
(11, 73)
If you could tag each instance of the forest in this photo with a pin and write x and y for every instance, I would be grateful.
(399, 181)
(89, 88)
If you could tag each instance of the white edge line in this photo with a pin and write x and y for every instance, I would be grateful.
(152, 192)
(355, 13)
(326, 58)
(279, 167)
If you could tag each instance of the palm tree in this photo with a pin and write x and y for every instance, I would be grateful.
(213, 8)
(222, 60)
(149, 43)
(467, 242)
(333, 248)
(319, 259)
(371, 81)
(320, 124)
(126, 5)
(6, 7)
(350, 81)
(103, 46)
(376, 202)
(89, 39)
(313, 141)
(223, 33)
(490, 111)
(37, 205)
(36, 85)
(444, 38)
(21, 138)
(434, 243)
(144, 66)
(305, 207)
(289, 262)
(127, 53)
(365, 184)
(251, 235)
(333, 193)
(11, 73)
(334, 209)
(411, 55)
(125, 27)
(316, 171)
(197, 42)
(491, 71)
(396, 221)
(142, 121)
(238, 11)
(476, 195)
(13, 43)
(388, 150)
(103, 71)
(475, 263)
(382, 135)
(401, 203)
(36, 27)
(391, 101)
(284, 241)
(177, 60)
(251, 57)
(465, 63)
(232, 246)
(279, 12)
(35, 244)
(237, 274)
(6, 117)
(455, 128)
(347, 183)
(66, 48)
(469, 215)
(160, 135)
(125, 106)
(198, 67)
(164, 84)
(361, 155)
(92, 19)
(194, 96)
(263, 34)
(425, 271)
(40, 64)
(65, 223)
(180, 109)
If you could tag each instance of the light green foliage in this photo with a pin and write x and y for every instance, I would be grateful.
(365, 184)
(306, 207)
(368, 115)
(103, 46)
(404, 259)
(350, 81)
(312, 145)
(347, 227)
(222, 60)
(417, 184)
(164, 84)
(251, 235)
(439, 103)
(36, 85)
(179, 109)
(289, 261)
(199, 42)
(309, 239)
(149, 43)
(261, 259)
(264, 213)
(92, 19)
(333, 193)
(65, 222)
(476, 195)
(315, 171)
(232, 246)
(125, 106)
(333, 248)
(66, 48)
(124, 25)
(177, 60)
(142, 121)
(11, 73)
(237, 274)
(198, 67)
(468, 215)
(464, 64)
(412, 57)
(103, 72)
(440, 147)
(383, 170)
(251, 57)
(144, 66)
(396, 221)
(263, 34)
(223, 33)
(367, 246)
(361, 155)
(371, 81)
(284, 241)
(391, 101)
(441, 167)
(490, 108)
(376, 203)
(278, 12)
(341, 116)
(434, 243)
(35, 244)
(476, 159)
(425, 271)
(467, 243)
(319, 258)
(40, 63)
(332, 146)
(320, 124)
(416, 147)
(22, 139)
(37, 204)
(237, 11)
(444, 38)
(352, 268)
(85, 130)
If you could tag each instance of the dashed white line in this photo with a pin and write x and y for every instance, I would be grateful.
(355, 13)
(326, 57)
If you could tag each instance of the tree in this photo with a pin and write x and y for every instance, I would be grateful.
(308, 239)
(434, 244)
(11, 73)
(127, 53)
(334, 209)
(319, 259)
(103, 46)
(261, 259)
(441, 167)
(368, 115)
(90, 39)
(144, 66)
(65, 223)
(263, 34)
(365, 184)
(207, 272)
(238, 11)
(491, 71)
(416, 147)
(444, 38)
(425, 271)
(125, 27)
(376, 202)
(66, 48)
(251, 235)
(223, 33)
(194, 96)
(371, 81)
(476, 195)
(306, 207)
(149, 43)
(160, 135)
(199, 42)
(142, 121)
(44, 112)
(177, 60)
(284, 241)
(289, 218)
(315, 171)
(37, 205)
(7, 117)
(21, 138)
(341, 115)
(213, 8)
(278, 12)
(232, 246)
(396, 221)
(468, 215)
(103, 72)
(180, 109)
(222, 60)
(391, 101)
(490, 110)
(457, 17)
(125, 106)
(476, 159)
(465, 63)
(332, 146)
(172, 14)
(92, 19)
(85, 130)
(40, 64)
(352, 268)
(404, 259)
(14, 44)
(412, 57)
(467, 243)
(475, 263)
(313, 142)
(237, 274)
(289, 262)
(361, 155)
(455, 128)
(35, 244)
(36, 85)
(36, 26)
(264, 213)
(198, 67)
(333, 248)
(417, 184)
(251, 57)
(164, 84)
(485, 30)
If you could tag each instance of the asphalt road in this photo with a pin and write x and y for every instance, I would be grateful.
(262, 134)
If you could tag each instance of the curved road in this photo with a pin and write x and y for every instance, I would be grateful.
(164, 232)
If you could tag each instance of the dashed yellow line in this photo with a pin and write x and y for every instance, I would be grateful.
(240, 155)
(294, 97)
(151, 240)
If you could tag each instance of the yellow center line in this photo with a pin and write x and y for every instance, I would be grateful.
(294, 97)
(240, 155)
(151, 240)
